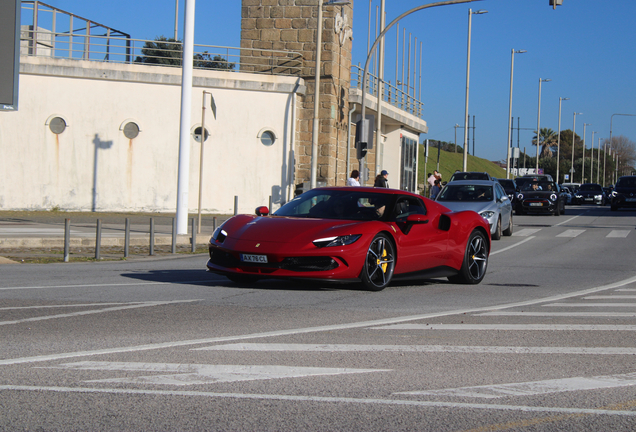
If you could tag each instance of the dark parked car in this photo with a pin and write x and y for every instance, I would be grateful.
(624, 194)
(525, 180)
(510, 186)
(540, 196)
(472, 175)
(590, 193)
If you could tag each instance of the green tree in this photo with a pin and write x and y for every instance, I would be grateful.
(162, 51)
(169, 52)
(547, 140)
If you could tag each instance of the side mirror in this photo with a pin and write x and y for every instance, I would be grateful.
(262, 211)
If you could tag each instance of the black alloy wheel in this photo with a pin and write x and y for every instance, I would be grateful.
(497, 234)
(475, 262)
(379, 264)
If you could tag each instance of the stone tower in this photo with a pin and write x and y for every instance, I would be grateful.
(289, 26)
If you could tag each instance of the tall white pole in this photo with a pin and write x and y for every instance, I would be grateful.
(573, 140)
(583, 161)
(176, 19)
(539, 122)
(315, 131)
(559, 141)
(470, 20)
(509, 143)
(592, 158)
(378, 133)
(598, 162)
(184, 128)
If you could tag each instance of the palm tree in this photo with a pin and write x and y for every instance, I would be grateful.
(547, 139)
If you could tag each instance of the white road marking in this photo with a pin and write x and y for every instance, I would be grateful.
(627, 289)
(510, 327)
(610, 297)
(34, 230)
(322, 399)
(570, 233)
(618, 234)
(95, 311)
(534, 387)
(196, 374)
(526, 232)
(512, 246)
(560, 314)
(590, 305)
(63, 306)
(104, 285)
(571, 219)
(419, 349)
(484, 310)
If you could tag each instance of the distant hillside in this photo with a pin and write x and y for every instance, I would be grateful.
(450, 161)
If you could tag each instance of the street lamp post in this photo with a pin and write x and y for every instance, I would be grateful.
(592, 158)
(316, 124)
(583, 161)
(598, 162)
(559, 139)
(509, 143)
(375, 44)
(470, 23)
(573, 139)
(539, 122)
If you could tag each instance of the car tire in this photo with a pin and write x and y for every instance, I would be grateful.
(497, 234)
(379, 263)
(508, 231)
(475, 262)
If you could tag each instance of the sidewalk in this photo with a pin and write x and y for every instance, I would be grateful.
(38, 236)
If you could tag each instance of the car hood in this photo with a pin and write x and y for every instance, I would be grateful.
(285, 229)
(476, 206)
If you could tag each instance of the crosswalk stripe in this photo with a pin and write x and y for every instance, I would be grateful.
(526, 232)
(535, 387)
(618, 234)
(571, 233)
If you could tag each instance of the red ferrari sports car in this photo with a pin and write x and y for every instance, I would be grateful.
(369, 235)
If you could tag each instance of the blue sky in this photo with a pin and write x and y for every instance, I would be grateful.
(586, 47)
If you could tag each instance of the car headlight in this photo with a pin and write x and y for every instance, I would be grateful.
(614, 193)
(219, 235)
(598, 196)
(553, 197)
(487, 214)
(520, 196)
(337, 241)
(579, 196)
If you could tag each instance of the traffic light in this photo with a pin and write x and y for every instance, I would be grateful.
(364, 135)
(361, 150)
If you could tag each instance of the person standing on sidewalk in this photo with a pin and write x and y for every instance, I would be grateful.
(382, 180)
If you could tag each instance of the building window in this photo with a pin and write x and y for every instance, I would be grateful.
(57, 125)
(131, 130)
(197, 134)
(267, 136)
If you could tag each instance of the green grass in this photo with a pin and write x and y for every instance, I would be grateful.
(450, 161)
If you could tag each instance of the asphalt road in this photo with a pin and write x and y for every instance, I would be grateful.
(545, 342)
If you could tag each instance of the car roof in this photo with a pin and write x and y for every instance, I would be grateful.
(472, 182)
(381, 190)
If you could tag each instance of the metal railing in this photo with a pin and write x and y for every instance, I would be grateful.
(58, 34)
(393, 94)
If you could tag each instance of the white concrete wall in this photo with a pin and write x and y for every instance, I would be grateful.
(93, 165)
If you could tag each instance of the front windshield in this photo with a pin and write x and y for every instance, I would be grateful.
(591, 187)
(466, 193)
(338, 204)
(626, 182)
(539, 186)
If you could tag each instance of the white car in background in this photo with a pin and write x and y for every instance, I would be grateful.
(486, 197)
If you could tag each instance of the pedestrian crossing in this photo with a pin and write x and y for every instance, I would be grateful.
(570, 233)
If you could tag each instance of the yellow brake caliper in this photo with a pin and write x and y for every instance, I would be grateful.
(385, 265)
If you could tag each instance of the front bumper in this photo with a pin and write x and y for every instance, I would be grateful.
(535, 205)
(626, 201)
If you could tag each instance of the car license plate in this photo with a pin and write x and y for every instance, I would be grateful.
(254, 258)
(630, 199)
(589, 199)
(536, 204)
